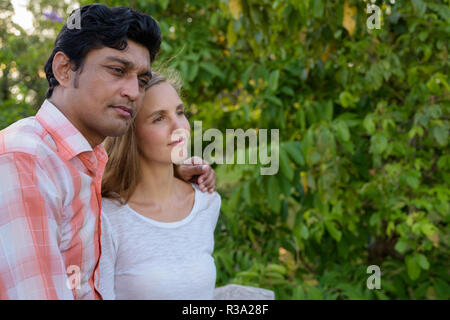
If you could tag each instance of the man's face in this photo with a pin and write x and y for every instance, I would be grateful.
(106, 94)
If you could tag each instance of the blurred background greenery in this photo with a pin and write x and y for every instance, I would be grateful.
(363, 118)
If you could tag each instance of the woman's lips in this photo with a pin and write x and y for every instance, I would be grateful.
(176, 142)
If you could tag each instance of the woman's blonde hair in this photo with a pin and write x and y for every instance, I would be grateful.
(122, 172)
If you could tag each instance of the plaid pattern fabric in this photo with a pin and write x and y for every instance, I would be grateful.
(50, 204)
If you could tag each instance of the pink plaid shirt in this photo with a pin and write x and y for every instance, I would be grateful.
(50, 204)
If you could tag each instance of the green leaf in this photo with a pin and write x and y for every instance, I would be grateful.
(285, 186)
(212, 69)
(193, 72)
(273, 194)
(401, 246)
(419, 7)
(164, 4)
(369, 124)
(184, 68)
(342, 130)
(293, 148)
(440, 134)
(314, 293)
(412, 178)
(273, 80)
(442, 288)
(317, 8)
(444, 162)
(285, 165)
(298, 293)
(381, 296)
(304, 233)
(412, 267)
(225, 259)
(334, 232)
(325, 110)
(235, 7)
(427, 228)
(288, 91)
(351, 291)
(231, 35)
(246, 193)
(379, 143)
(346, 99)
(274, 100)
(246, 75)
(422, 261)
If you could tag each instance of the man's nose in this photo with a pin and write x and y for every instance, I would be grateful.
(131, 89)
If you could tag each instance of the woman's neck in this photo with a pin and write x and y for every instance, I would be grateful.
(157, 183)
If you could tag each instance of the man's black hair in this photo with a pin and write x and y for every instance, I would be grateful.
(103, 27)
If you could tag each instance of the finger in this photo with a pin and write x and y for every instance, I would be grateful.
(205, 182)
(210, 181)
(188, 161)
(213, 187)
(194, 170)
(201, 182)
(194, 161)
(214, 182)
(206, 173)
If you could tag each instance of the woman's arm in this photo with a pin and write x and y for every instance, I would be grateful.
(107, 260)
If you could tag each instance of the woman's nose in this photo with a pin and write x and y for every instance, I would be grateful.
(180, 123)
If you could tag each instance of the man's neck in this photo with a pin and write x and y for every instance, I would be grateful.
(58, 102)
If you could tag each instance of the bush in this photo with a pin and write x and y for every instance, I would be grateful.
(363, 119)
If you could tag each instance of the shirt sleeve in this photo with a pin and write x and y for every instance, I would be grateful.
(107, 260)
(31, 264)
(216, 209)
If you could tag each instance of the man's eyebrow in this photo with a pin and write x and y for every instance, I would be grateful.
(129, 65)
(146, 73)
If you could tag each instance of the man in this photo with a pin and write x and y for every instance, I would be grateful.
(52, 164)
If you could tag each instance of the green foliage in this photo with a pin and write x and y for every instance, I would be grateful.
(363, 118)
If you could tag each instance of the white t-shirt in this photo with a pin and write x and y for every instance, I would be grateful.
(147, 259)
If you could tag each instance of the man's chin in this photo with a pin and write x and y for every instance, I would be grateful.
(118, 131)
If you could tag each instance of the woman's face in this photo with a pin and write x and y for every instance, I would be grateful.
(162, 129)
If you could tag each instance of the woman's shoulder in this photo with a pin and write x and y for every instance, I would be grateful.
(207, 200)
(110, 207)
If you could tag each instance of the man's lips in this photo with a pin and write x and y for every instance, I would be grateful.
(125, 111)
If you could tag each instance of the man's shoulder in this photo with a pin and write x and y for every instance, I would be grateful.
(26, 136)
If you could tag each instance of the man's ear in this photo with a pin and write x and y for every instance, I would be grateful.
(62, 69)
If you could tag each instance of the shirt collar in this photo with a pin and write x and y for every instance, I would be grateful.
(69, 141)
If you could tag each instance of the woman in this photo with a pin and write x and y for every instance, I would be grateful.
(157, 230)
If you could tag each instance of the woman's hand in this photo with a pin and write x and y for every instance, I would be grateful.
(198, 171)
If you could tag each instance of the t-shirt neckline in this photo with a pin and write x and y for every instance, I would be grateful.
(174, 224)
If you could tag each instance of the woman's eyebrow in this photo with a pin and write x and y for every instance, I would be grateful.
(163, 111)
